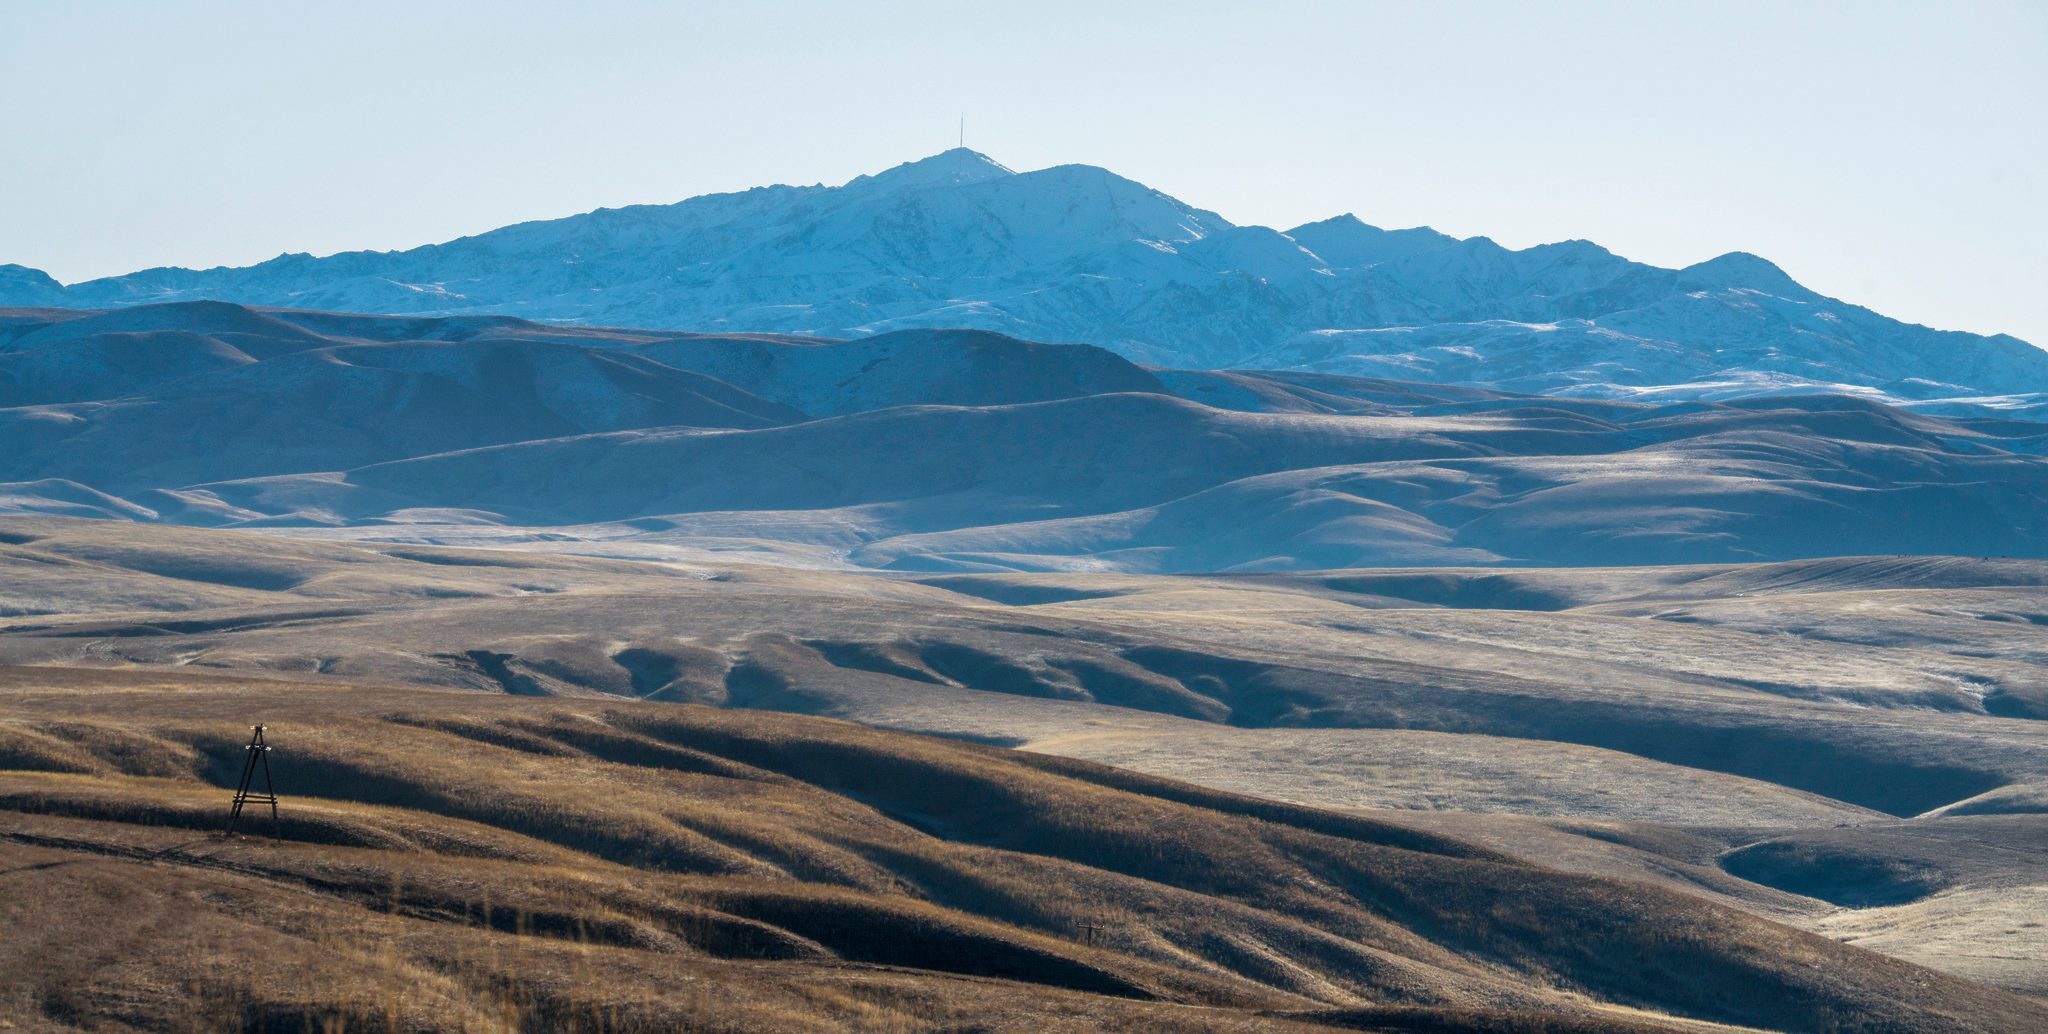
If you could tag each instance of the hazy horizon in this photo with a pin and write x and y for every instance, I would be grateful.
(1882, 156)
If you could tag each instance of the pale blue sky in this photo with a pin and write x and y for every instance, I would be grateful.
(1894, 155)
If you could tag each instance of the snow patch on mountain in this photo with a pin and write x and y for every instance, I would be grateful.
(1078, 253)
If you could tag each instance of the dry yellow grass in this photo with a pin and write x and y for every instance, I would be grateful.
(452, 861)
(1664, 728)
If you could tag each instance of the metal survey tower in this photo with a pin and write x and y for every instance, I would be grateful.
(258, 755)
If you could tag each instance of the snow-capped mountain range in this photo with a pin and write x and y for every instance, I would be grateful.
(1077, 253)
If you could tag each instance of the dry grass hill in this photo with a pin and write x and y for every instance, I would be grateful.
(954, 451)
(529, 790)
(469, 860)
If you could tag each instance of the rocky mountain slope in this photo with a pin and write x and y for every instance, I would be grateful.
(1077, 253)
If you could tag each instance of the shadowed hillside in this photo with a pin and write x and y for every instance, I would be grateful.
(1852, 745)
(961, 451)
(460, 859)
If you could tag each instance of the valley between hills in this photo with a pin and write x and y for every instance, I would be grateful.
(532, 788)
(639, 680)
(639, 556)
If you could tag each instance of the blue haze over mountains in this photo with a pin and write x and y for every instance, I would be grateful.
(843, 377)
(1078, 254)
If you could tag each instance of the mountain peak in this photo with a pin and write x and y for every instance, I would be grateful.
(1742, 269)
(1348, 241)
(1347, 222)
(21, 285)
(951, 168)
(1076, 252)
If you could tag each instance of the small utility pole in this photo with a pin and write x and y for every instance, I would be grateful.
(258, 754)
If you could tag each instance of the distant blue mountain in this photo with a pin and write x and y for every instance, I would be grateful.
(1076, 253)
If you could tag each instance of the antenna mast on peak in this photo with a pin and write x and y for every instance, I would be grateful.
(963, 129)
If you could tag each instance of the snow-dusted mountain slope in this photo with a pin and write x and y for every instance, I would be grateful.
(953, 450)
(1076, 253)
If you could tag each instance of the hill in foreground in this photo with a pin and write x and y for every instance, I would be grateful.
(1851, 746)
(458, 860)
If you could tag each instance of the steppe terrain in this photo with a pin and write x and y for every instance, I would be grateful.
(631, 679)
(528, 785)
(953, 451)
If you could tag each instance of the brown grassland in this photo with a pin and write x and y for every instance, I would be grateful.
(528, 791)
(460, 861)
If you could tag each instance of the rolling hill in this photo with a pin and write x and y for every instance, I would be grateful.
(1596, 800)
(1431, 707)
(953, 450)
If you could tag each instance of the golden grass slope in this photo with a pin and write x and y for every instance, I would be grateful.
(458, 861)
(1728, 735)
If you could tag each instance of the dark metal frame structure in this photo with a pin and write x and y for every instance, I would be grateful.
(258, 755)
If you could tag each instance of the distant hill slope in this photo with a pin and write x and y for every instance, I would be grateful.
(954, 450)
(163, 395)
(1077, 253)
